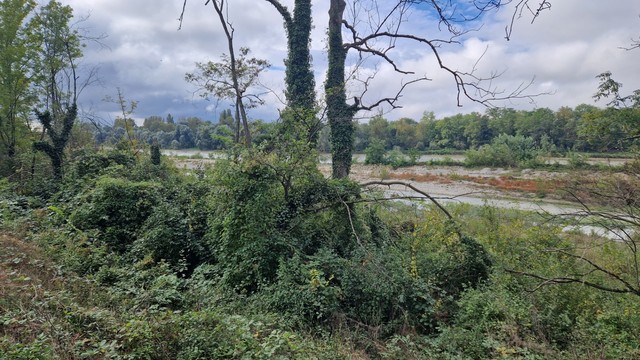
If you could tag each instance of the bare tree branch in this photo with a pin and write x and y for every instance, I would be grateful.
(521, 6)
(431, 198)
(572, 280)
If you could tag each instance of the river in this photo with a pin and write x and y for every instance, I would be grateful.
(359, 158)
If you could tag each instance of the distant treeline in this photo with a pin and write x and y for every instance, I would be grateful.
(583, 128)
(186, 133)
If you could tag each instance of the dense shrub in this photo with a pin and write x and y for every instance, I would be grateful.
(248, 209)
(396, 158)
(374, 153)
(412, 283)
(166, 236)
(91, 163)
(175, 231)
(117, 208)
(505, 150)
(372, 288)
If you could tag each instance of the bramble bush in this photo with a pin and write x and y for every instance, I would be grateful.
(266, 208)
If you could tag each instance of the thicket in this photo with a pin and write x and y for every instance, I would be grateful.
(507, 151)
(261, 256)
(376, 154)
(257, 228)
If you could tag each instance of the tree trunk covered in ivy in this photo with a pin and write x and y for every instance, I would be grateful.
(339, 113)
(59, 137)
(299, 76)
(299, 79)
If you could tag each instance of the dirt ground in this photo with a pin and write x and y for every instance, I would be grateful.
(458, 180)
(519, 189)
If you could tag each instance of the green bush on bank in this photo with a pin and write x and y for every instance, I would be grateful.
(505, 151)
(117, 208)
(375, 154)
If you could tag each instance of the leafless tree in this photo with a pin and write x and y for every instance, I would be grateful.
(243, 72)
(375, 30)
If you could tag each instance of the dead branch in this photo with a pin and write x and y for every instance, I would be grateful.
(353, 229)
(431, 198)
(572, 280)
(521, 6)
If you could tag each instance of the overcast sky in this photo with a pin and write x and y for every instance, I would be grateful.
(146, 56)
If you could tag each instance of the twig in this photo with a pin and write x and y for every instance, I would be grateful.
(389, 183)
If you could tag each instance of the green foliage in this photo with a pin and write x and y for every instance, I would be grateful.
(90, 164)
(263, 257)
(155, 154)
(372, 287)
(174, 231)
(447, 260)
(215, 79)
(304, 292)
(382, 286)
(244, 230)
(374, 153)
(610, 88)
(505, 150)
(270, 205)
(17, 46)
(300, 83)
(583, 128)
(58, 129)
(231, 79)
(576, 161)
(116, 208)
(610, 129)
(208, 334)
(397, 158)
(36, 350)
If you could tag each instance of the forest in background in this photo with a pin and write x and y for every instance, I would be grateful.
(584, 129)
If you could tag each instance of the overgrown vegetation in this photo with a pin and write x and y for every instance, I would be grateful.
(506, 151)
(118, 254)
(261, 256)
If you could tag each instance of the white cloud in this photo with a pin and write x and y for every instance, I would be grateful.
(564, 49)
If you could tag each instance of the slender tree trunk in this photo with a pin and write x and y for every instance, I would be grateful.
(240, 110)
(339, 113)
(245, 125)
(236, 130)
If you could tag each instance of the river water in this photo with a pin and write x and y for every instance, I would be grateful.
(359, 158)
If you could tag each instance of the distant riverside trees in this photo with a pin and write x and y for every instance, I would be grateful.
(185, 133)
(583, 128)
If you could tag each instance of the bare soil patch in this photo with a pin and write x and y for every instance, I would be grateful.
(457, 180)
